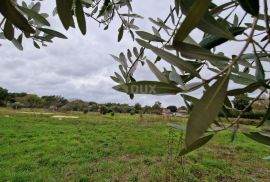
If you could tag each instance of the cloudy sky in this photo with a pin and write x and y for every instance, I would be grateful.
(80, 67)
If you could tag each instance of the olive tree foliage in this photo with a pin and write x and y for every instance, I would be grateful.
(170, 41)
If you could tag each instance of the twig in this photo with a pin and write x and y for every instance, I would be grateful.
(101, 21)
(241, 21)
(121, 18)
(2, 22)
(143, 49)
(249, 39)
(266, 18)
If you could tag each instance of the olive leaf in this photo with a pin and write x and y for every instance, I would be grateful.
(148, 87)
(170, 58)
(197, 144)
(64, 12)
(14, 16)
(206, 109)
(258, 137)
(250, 6)
(196, 12)
(80, 16)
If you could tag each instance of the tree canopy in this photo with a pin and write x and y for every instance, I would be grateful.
(171, 41)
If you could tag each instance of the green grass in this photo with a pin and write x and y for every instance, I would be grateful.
(120, 148)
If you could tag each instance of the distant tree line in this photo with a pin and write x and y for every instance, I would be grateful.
(59, 103)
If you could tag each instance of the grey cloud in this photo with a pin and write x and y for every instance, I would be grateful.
(80, 66)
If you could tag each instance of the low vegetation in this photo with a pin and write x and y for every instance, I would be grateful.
(38, 147)
(58, 103)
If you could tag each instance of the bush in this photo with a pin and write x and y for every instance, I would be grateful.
(17, 105)
(132, 112)
(103, 110)
(258, 115)
(85, 111)
(172, 108)
(240, 102)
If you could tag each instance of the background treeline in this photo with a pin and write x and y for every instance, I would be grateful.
(59, 103)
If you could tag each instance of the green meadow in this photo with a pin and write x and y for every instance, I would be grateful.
(94, 147)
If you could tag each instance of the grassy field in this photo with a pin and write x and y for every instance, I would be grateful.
(119, 148)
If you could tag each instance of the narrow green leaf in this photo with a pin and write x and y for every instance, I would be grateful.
(250, 6)
(20, 38)
(266, 116)
(253, 56)
(119, 77)
(129, 5)
(196, 12)
(120, 33)
(64, 12)
(156, 71)
(52, 33)
(14, 16)
(9, 30)
(242, 79)
(248, 89)
(256, 27)
(148, 87)
(197, 144)
(132, 35)
(260, 75)
(17, 44)
(132, 15)
(170, 58)
(161, 24)
(80, 16)
(177, 126)
(103, 8)
(177, 6)
(220, 8)
(208, 23)
(206, 110)
(46, 39)
(32, 14)
(36, 45)
(150, 37)
(123, 60)
(174, 76)
(212, 41)
(235, 20)
(172, 15)
(196, 52)
(190, 40)
(2, 36)
(258, 138)
(115, 79)
(190, 99)
(36, 7)
(211, 26)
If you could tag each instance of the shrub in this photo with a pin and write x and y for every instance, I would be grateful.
(85, 111)
(240, 102)
(17, 105)
(132, 112)
(258, 115)
(172, 108)
(103, 110)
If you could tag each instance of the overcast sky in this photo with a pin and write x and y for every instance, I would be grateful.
(80, 67)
